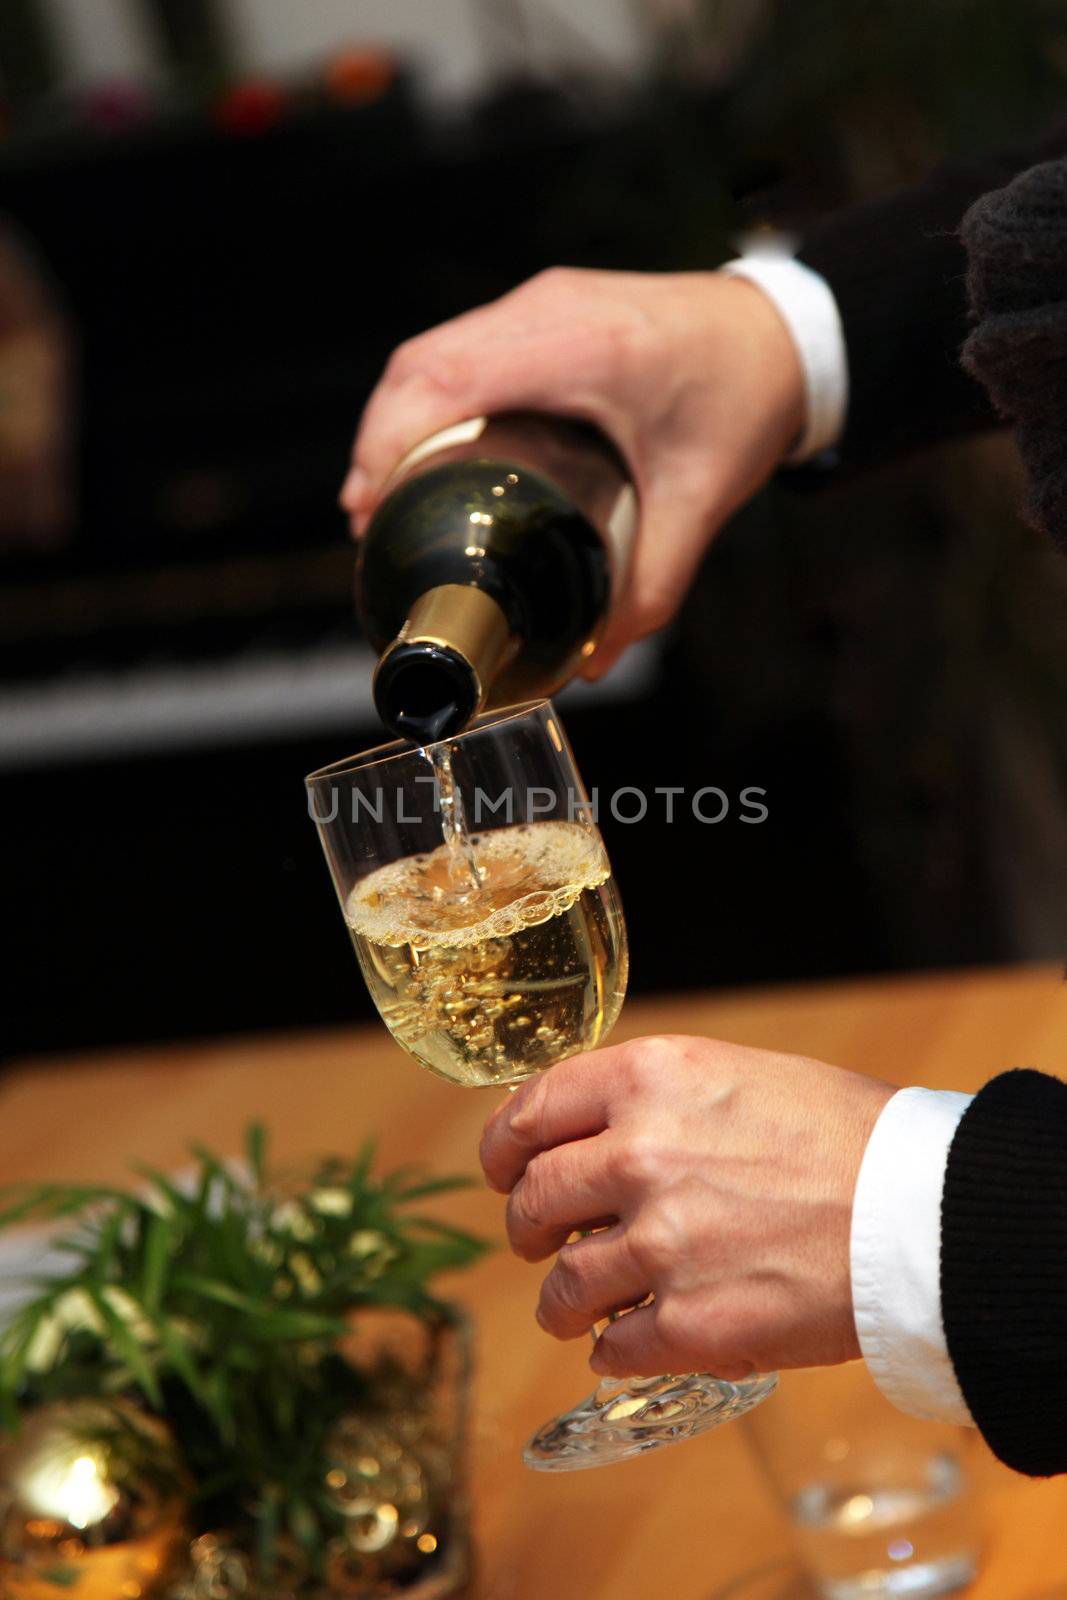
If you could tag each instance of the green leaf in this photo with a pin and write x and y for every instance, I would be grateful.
(17, 1339)
(428, 1186)
(170, 1195)
(266, 1320)
(127, 1347)
(256, 1150)
(106, 1242)
(362, 1165)
(181, 1354)
(214, 1169)
(304, 1527)
(238, 1345)
(49, 1201)
(470, 1241)
(266, 1514)
(216, 1182)
(158, 1240)
(9, 1411)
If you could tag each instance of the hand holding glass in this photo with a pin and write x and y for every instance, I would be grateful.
(480, 901)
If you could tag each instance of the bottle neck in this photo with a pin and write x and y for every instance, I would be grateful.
(438, 672)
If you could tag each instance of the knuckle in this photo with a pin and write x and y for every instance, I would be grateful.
(629, 1074)
(424, 361)
(658, 1051)
(695, 481)
(449, 372)
(658, 1235)
(643, 1243)
(553, 278)
(636, 1162)
(652, 612)
(645, 1061)
(404, 360)
(625, 342)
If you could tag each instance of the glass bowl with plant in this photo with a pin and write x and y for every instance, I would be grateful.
(235, 1383)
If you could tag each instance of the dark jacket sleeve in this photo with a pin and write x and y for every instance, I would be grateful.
(898, 269)
(1004, 1267)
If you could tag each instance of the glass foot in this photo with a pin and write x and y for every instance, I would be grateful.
(626, 1416)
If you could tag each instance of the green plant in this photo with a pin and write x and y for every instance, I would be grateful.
(221, 1305)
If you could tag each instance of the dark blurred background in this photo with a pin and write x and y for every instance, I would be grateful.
(217, 217)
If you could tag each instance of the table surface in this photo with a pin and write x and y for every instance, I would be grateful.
(686, 1522)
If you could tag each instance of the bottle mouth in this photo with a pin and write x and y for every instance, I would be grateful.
(425, 691)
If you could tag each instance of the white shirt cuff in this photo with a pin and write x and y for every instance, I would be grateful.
(805, 302)
(896, 1254)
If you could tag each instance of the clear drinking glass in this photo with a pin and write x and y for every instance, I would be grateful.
(881, 1504)
(479, 899)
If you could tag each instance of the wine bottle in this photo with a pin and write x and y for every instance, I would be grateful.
(488, 570)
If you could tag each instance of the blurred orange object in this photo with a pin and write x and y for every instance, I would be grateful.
(251, 108)
(37, 407)
(360, 76)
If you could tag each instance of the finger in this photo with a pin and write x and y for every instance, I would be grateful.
(659, 1338)
(592, 1279)
(570, 1101)
(633, 1346)
(672, 539)
(398, 416)
(609, 651)
(517, 353)
(563, 1191)
(354, 491)
(460, 369)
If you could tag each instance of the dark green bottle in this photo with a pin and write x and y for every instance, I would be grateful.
(489, 567)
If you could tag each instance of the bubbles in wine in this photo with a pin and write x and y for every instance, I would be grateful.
(490, 981)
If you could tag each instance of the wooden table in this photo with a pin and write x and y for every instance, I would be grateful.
(684, 1523)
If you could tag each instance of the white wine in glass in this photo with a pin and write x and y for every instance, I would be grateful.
(495, 976)
(481, 904)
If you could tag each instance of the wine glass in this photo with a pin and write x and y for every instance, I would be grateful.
(480, 901)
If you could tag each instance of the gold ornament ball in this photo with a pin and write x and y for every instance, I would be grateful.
(92, 1503)
(217, 1571)
(389, 1500)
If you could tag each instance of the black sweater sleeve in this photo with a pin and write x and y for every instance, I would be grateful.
(1016, 243)
(1004, 1267)
(898, 269)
